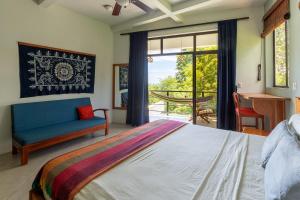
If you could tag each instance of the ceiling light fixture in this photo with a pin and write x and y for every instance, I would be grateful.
(108, 7)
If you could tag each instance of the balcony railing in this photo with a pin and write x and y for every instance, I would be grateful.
(171, 107)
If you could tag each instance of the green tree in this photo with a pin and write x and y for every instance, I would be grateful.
(206, 80)
(280, 56)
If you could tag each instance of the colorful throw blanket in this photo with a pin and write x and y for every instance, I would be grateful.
(63, 177)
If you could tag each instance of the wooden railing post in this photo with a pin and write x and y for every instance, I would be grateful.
(168, 93)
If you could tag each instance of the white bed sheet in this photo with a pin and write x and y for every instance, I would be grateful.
(193, 163)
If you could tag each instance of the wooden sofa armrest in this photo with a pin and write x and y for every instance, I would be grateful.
(105, 110)
(101, 109)
(106, 116)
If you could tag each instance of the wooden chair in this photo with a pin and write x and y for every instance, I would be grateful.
(241, 112)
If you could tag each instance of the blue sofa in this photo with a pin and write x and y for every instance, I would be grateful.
(42, 124)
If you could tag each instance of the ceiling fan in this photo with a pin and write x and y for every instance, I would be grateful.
(124, 3)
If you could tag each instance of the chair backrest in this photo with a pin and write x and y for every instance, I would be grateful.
(39, 114)
(236, 101)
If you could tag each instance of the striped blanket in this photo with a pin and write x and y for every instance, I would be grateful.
(63, 177)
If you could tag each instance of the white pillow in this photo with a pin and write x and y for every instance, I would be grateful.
(282, 174)
(294, 126)
(272, 141)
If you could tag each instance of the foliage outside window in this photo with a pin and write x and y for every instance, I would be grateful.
(280, 57)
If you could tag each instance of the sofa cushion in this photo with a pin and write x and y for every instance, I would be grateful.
(28, 116)
(40, 134)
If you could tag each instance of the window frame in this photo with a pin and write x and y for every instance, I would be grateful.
(286, 62)
(161, 38)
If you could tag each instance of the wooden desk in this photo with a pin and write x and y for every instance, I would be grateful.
(297, 105)
(268, 105)
(253, 131)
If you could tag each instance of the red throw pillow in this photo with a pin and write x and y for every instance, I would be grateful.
(85, 112)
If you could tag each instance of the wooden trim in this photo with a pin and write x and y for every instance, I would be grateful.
(114, 84)
(276, 15)
(55, 49)
(273, 8)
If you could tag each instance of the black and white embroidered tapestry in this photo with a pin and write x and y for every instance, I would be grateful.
(46, 71)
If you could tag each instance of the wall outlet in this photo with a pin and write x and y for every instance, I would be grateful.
(294, 85)
(239, 85)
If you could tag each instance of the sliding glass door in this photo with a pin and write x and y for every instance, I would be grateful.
(183, 78)
(169, 83)
(206, 89)
(206, 70)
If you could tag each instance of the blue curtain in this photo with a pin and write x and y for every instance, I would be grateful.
(137, 108)
(226, 74)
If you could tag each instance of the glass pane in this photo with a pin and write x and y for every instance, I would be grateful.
(178, 45)
(206, 85)
(280, 56)
(207, 42)
(170, 87)
(153, 47)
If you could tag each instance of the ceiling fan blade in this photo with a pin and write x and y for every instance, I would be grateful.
(117, 10)
(142, 6)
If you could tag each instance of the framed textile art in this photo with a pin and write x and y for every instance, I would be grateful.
(48, 71)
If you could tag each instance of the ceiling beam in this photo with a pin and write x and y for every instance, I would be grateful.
(154, 16)
(191, 5)
(165, 7)
(45, 3)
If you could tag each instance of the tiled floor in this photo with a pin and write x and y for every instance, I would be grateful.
(16, 180)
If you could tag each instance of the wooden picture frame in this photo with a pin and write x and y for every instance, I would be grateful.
(116, 90)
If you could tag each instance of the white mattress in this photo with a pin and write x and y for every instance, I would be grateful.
(193, 163)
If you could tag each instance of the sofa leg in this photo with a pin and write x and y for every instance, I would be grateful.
(14, 150)
(106, 130)
(24, 157)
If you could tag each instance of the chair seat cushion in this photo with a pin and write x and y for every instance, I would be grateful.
(40, 134)
(248, 112)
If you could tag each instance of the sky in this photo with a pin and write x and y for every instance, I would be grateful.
(161, 68)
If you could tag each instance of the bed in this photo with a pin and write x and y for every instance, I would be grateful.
(183, 162)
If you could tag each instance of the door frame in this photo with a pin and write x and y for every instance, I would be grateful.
(194, 54)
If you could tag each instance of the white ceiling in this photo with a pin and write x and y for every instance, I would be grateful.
(164, 9)
(95, 9)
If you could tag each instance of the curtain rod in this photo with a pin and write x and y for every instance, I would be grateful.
(184, 26)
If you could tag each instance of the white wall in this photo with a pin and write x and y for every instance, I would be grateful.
(23, 20)
(248, 47)
(293, 57)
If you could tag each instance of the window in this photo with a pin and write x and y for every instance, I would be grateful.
(280, 56)
(154, 47)
(178, 44)
(207, 42)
